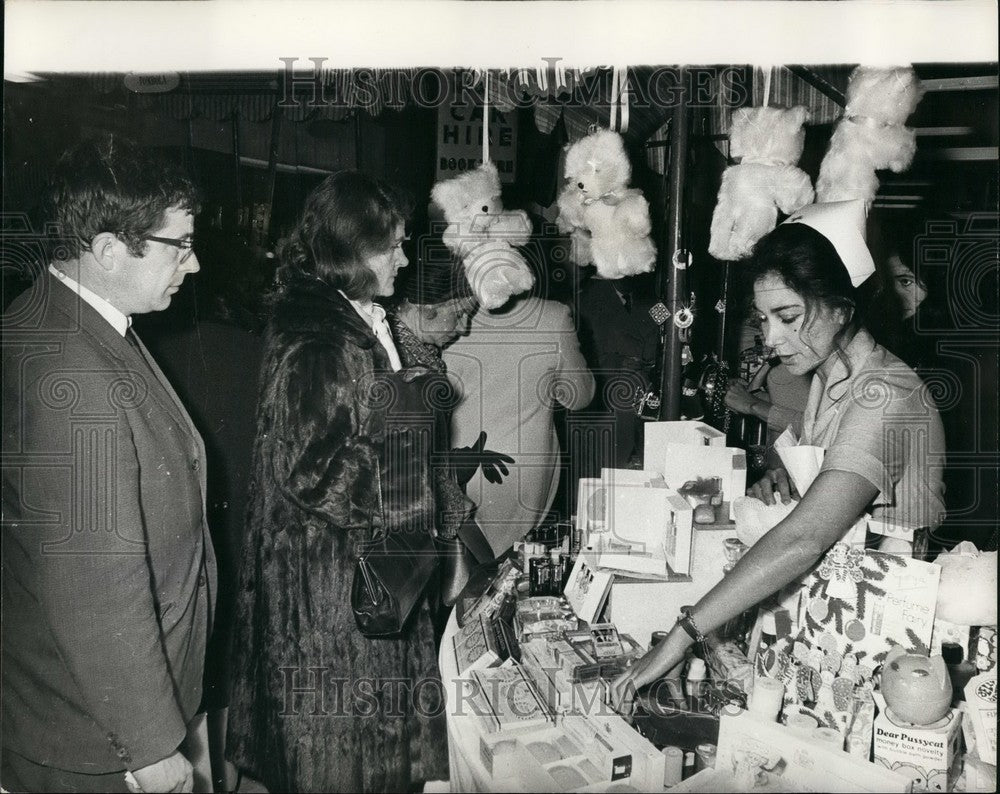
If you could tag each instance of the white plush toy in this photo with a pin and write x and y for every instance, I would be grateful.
(607, 221)
(967, 590)
(768, 142)
(871, 135)
(483, 234)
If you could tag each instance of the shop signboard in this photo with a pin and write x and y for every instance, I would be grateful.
(460, 138)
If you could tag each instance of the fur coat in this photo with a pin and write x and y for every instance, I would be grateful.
(316, 706)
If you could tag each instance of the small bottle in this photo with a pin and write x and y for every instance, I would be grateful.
(768, 634)
(696, 685)
(689, 766)
(673, 767)
(767, 697)
(704, 756)
(736, 628)
(959, 670)
(555, 571)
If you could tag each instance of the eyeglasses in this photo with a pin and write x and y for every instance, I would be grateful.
(186, 244)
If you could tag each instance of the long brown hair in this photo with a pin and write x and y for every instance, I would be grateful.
(346, 219)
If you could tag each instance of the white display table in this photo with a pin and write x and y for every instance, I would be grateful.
(467, 772)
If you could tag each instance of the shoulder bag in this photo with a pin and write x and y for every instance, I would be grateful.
(390, 575)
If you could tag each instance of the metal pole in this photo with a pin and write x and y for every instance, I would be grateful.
(670, 366)
(272, 171)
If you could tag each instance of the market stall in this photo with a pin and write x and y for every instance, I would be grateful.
(874, 667)
(853, 679)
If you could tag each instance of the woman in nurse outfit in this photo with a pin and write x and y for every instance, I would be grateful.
(872, 415)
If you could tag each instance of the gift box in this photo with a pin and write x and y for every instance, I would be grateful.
(587, 588)
(656, 435)
(928, 755)
(853, 607)
(981, 707)
(754, 753)
(647, 531)
(682, 463)
(512, 702)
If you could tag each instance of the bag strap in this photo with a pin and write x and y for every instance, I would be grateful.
(363, 567)
(378, 491)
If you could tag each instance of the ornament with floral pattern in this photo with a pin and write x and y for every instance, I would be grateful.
(843, 693)
(801, 651)
(841, 567)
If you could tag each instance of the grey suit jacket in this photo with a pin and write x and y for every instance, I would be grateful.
(108, 569)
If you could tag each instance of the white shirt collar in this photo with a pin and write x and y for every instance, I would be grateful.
(374, 316)
(371, 312)
(119, 321)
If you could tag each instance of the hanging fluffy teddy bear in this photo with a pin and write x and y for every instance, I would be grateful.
(871, 134)
(769, 142)
(607, 221)
(483, 234)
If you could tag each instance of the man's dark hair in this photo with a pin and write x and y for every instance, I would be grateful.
(109, 184)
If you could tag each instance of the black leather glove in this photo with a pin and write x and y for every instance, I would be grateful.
(467, 459)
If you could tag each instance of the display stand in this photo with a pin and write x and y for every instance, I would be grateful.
(466, 770)
(630, 598)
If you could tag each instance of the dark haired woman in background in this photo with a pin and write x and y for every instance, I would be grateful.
(316, 706)
(871, 414)
(909, 312)
(912, 317)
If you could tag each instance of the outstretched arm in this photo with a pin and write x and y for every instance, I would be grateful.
(830, 507)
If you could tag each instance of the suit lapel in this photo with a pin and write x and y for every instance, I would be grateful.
(88, 319)
(176, 407)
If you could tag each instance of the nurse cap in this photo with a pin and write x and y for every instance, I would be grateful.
(843, 224)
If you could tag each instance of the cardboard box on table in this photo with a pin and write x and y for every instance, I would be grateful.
(591, 494)
(981, 712)
(640, 607)
(657, 435)
(680, 463)
(755, 754)
(581, 754)
(928, 755)
(647, 531)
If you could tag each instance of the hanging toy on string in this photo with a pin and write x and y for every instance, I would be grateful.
(768, 143)
(482, 233)
(608, 222)
(871, 135)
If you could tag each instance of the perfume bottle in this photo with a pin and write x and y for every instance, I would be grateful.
(737, 628)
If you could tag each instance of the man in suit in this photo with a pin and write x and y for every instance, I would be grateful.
(108, 570)
(513, 369)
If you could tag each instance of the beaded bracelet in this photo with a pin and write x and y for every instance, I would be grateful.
(686, 622)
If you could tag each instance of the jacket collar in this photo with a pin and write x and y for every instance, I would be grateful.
(68, 312)
(120, 322)
(310, 306)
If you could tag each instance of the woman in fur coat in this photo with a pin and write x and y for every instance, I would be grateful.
(316, 706)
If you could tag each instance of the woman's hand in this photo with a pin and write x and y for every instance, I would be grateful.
(467, 460)
(662, 662)
(774, 479)
(740, 399)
